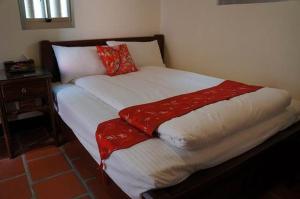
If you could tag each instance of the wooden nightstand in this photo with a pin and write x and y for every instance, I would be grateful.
(24, 94)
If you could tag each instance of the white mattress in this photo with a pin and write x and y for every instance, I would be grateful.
(153, 163)
(151, 84)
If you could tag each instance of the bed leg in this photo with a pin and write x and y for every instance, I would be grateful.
(105, 179)
(58, 129)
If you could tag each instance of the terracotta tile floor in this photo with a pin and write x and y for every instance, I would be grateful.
(49, 172)
(68, 172)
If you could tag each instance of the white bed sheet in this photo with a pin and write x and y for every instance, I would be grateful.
(151, 84)
(153, 163)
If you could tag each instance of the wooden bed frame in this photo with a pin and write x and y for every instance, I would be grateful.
(241, 177)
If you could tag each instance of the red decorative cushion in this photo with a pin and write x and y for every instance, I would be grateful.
(116, 59)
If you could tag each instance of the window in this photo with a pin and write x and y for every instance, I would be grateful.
(38, 14)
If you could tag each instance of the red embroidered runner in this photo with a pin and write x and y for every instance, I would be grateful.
(148, 117)
(138, 123)
(117, 134)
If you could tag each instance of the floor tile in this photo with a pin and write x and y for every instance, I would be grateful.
(74, 150)
(90, 161)
(98, 189)
(49, 166)
(41, 152)
(15, 189)
(86, 170)
(64, 186)
(85, 197)
(11, 167)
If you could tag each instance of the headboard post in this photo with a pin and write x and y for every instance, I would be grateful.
(161, 42)
(48, 59)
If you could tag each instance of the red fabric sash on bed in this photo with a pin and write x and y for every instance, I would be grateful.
(138, 123)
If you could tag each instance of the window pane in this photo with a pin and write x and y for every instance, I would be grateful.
(65, 8)
(28, 9)
(38, 9)
(54, 8)
(34, 9)
(59, 8)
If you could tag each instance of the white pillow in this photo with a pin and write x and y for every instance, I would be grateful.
(143, 53)
(75, 62)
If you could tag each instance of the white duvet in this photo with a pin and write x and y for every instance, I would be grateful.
(198, 128)
(153, 163)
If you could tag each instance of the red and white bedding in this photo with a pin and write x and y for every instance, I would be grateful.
(213, 134)
(139, 170)
(138, 123)
(198, 128)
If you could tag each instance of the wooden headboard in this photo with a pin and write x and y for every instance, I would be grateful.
(48, 59)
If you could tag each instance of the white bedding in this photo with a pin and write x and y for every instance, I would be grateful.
(153, 163)
(198, 128)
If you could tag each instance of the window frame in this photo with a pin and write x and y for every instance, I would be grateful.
(29, 24)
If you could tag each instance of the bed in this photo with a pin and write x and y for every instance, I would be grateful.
(183, 173)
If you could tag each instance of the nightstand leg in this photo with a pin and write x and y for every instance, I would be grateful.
(7, 137)
(8, 146)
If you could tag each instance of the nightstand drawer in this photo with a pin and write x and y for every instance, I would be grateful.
(24, 89)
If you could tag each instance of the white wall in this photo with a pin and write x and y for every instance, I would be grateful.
(254, 43)
(93, 19)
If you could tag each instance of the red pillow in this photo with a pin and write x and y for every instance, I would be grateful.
(116, 59)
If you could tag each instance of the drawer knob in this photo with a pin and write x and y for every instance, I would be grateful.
(23, 91)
